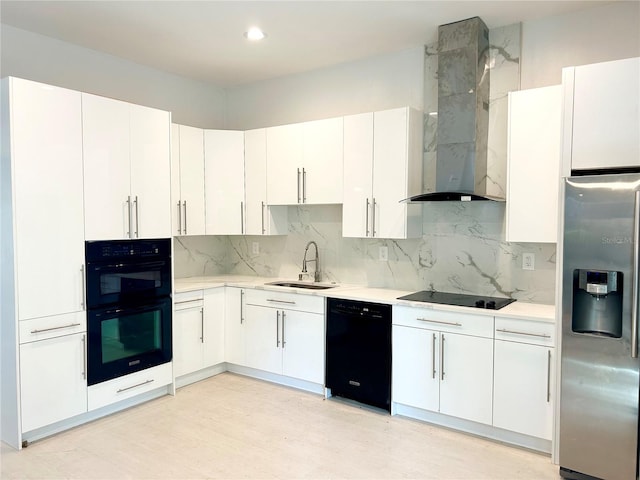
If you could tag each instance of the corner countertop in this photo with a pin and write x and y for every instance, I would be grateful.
(518, 309)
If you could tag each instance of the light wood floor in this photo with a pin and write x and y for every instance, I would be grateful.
(231, 427)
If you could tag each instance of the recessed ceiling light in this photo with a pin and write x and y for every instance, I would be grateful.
(254, 33)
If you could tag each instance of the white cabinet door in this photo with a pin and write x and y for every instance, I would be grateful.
(234, 326)
(53, 383)
(188, 325)
(357, 175)
(263, 338)
(107, 187)
(214, 305)
(224, 181)
(466, 377)
(415, 375)
(284, 164)
(187, 180)
(396, 173)
(523, 377)
(322, 161)
(606, 115)
(533, 169)
(302, 344)
(46, 156)
(150, 171)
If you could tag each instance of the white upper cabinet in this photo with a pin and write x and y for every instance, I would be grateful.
(601, 127)
(45, 147)
(382, 165)
(224, 182)
(533, 168)
(260, 219)
(187, 180)
(127, 171)
(304, 161)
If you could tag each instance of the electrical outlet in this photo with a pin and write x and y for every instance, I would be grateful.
(528, 261)
(255, 248)
(383, 254)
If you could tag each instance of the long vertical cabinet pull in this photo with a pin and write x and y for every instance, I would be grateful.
(304, 186)
(129, 216)
(242, 218)
(636, 276)
(83, 293)
(241, 307)
(433, 357)
(184, 205)
(202, 325)
(283, 341)
(298, 178)
(373, 218)
(366, 213)
(179, 218)
(262, 213)
(137, 226)
(277, 328)
(548, 376)
(442, 356)
(84, 356)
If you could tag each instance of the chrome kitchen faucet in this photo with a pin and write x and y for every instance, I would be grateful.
(316, 273)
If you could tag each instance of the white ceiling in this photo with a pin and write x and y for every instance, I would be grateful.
(204, 40)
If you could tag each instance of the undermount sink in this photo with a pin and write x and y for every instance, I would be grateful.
(306, 285)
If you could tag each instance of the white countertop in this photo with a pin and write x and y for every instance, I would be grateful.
(523, 310)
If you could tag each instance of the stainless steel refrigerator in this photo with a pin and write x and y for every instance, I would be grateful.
(600, 366)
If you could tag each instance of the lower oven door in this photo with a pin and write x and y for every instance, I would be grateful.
(124, 340)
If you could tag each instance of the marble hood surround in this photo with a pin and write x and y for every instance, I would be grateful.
(463, 114)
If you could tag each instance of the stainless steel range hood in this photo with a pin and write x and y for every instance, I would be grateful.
(463, 115)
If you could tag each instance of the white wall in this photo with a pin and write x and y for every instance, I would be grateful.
(376, 83)
(598, 34)
(47, 60)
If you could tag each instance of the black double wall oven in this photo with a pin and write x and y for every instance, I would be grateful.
(129, 306)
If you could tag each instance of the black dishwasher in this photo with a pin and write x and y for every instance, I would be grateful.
(358, 357)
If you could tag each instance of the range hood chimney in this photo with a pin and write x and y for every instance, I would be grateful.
(463, 113)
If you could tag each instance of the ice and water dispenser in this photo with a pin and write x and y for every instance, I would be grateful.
(597, 302)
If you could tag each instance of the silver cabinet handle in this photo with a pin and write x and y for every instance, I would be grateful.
(84, 357)
(262, 213)
(120, 390)
(548, 375)
(367, 216)
(453, 324)
(433, 357)
(298, 179)
(442, 356)
(136, 202)
(71, 325)
(241, 307)
(242, 218)
(179, 218)
(283, 341)
(541, 335)
(84, 287)
(182, 302)
(635, 285)
(373, 218)
(274, 300)
(129, 213)
(304, 186)
(184, 205)
(202, 325)
(277, 328)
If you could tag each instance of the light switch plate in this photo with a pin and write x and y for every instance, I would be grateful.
(255, 248)
(383, 254)
(528, 261)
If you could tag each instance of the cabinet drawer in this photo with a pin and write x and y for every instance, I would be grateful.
(285, 300)
(525, 331)
(113, 391)
(186, 300)
(50, 327)
(463, 323)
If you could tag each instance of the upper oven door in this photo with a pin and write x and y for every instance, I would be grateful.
(122, 273)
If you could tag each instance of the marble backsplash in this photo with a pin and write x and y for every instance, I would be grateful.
(462, 248)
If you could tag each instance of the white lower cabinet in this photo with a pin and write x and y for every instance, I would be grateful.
(53, 380)
(284, 334)
(234, 326)
(443, 362)
(198, 330)
(524, 377)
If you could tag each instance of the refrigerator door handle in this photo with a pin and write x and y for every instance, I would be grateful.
(636, 259)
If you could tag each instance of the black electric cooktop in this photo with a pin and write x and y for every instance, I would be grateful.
(458, 299)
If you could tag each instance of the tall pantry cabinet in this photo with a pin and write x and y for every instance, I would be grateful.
(43, 326)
